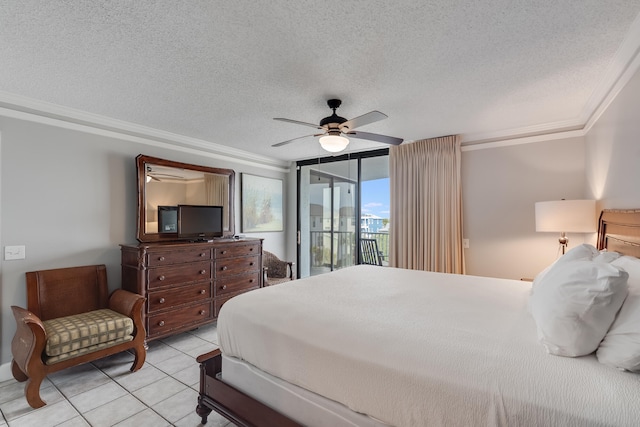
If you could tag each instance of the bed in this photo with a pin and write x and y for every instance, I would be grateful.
(372, 346)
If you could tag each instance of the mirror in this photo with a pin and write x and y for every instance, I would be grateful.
(164, 184)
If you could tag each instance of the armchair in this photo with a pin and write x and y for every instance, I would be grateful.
(275, 270)
(71, 320)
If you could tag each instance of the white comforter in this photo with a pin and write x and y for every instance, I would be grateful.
(413, 348)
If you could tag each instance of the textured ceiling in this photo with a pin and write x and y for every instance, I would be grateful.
(218, 72)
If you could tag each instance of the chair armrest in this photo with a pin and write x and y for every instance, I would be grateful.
(125, 302)
(131, 305)
(29, 340)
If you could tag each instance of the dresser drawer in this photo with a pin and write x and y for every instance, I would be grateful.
(169, 298)
(155, 259)
(233, 284)
(237, 250)
(219, 302)
(232, 266)
(167, 276)
(161, 323)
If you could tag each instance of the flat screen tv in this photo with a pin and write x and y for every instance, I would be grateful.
(196, 222)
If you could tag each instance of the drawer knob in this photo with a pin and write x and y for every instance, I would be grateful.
(223, 287)
(162, 301)
(251, 263)
(251, 280)
(161, 258)
(161, 323)
(224, 268)
(202, 292)
(161, 278)
(223, 252)
(202, 312)
(250, 249)
(203, 271)
(202, 254)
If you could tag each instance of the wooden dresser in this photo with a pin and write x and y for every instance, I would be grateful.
(186, 283)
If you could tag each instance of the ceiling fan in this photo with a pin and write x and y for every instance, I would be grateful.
(335, 128)
(157, 176)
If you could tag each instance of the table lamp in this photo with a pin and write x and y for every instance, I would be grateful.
(566, 216)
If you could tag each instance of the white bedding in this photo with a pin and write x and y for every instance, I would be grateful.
(413, 348)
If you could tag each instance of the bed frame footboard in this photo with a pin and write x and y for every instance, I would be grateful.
(231, 403)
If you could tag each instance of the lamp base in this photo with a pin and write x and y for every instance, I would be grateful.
(563, 240)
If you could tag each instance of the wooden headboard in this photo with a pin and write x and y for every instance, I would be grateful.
(619, 231)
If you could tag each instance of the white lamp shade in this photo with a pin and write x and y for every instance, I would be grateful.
(334, 143)
(566, 216)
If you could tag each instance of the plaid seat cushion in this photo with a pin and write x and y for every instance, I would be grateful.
(72, 334)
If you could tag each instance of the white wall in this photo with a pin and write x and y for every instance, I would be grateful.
(500, 187)
(613, 152)
(71, 198)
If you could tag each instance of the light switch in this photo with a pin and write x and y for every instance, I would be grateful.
(14, 252)
(465, 243)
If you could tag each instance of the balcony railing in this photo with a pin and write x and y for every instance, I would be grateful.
(343, 248)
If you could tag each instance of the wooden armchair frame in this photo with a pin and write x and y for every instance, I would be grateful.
(64, 292)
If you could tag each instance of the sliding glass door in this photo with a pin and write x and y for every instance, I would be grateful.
(331, 214)
(328, 223)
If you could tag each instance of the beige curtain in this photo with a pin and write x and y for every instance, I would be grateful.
(216, 188)
(426, 206)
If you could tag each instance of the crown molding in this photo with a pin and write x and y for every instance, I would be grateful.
(522, 140)
(528, 132)
(23, 108)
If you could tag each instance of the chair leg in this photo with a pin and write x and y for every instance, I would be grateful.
(17, 372)
(140, 354)
(32, 392)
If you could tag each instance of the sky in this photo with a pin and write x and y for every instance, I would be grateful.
(375, 197)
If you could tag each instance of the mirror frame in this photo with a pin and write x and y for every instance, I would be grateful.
(141, 164)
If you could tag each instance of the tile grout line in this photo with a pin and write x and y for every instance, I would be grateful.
(130, 393)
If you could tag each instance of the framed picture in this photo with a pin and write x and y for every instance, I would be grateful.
(261, 204)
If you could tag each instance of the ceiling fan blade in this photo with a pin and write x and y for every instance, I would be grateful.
(298, 122)
(279, 144)
(391, 140)
(365, 119)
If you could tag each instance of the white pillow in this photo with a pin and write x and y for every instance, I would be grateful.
(605, 256)
(621, 346)
(584, 251)
(575, 303)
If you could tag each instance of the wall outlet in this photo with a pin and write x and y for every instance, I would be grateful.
(14, 252)
(465, 243)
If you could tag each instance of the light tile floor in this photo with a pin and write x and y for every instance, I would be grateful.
(105, 393)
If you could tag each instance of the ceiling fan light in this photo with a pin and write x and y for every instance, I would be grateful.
(334, 143)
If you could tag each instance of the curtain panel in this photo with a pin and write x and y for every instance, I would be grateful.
(426, 206)
(216, 189)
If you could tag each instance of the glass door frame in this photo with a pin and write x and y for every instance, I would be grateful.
(330, 159)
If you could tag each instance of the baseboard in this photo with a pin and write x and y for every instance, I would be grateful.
(5, 372)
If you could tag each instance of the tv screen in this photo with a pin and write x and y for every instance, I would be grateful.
(199, 222)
